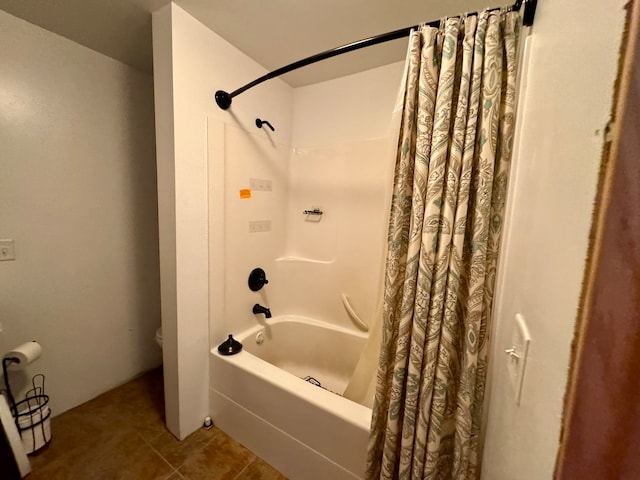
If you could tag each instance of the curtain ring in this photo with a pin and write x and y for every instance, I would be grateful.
(419, 30)
(441, 28)
(504, 11)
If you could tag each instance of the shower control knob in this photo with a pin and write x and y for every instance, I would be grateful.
(257, 279)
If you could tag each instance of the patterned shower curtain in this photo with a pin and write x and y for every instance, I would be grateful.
(446, 219)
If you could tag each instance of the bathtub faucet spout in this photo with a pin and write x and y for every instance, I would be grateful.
(257, 308)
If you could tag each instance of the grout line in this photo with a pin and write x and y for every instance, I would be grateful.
(245, 467)
(171, 473)
(215, 433)
(174, 469)
(177, 472)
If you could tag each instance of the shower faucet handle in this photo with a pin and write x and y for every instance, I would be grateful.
(257, 279)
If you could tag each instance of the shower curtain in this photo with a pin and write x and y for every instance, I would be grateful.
(450, 182)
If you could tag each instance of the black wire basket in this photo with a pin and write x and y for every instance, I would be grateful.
(33, 420)
(31, 415)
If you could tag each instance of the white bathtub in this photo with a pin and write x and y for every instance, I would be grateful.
(258, 397)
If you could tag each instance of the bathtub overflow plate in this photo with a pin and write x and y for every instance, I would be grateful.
(260, 338)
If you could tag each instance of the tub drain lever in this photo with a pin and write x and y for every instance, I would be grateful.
(230, 346)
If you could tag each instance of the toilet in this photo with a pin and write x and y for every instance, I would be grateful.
(159, 337)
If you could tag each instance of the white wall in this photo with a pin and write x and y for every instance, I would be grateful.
(564, 111)
(78, 196)
(198, 62)
(350, 108)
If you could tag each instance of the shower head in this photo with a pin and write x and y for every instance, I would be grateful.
(260, 123)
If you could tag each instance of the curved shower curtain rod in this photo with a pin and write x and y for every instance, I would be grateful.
(223, 99)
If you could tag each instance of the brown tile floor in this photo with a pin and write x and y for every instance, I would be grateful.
(121, 435)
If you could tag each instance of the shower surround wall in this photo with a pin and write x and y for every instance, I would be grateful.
(237, 156)
(310, 261)
(341, 163)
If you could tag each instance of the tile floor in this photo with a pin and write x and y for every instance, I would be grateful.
(120, 435)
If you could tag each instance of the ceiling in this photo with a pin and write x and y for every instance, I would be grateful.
(272, 32)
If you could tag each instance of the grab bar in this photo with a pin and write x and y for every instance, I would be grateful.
(353, 315)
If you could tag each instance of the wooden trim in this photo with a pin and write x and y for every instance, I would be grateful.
(611, 147)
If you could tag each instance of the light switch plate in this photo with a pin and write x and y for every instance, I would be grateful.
(517, 354)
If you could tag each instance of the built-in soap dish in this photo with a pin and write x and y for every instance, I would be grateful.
(230, 346)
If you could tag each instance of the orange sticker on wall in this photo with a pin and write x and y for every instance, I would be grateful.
(245, 193)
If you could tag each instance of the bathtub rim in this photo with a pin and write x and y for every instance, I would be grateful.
(243, 335)
(344, 408)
